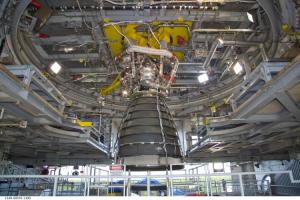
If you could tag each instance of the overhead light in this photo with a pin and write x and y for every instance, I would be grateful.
(124, 93)
(218, 165)
(202, 78)
(55, 67)
(221, 42)
(250, 17)
(68, 49)
(237, 68)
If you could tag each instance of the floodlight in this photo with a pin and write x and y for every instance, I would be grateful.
(237, 68)
(55, 67)
(250, 17)
(202, 78)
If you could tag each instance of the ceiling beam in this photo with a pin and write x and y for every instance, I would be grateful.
(152, 15)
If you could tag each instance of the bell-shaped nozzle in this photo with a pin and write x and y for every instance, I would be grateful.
(148, 138)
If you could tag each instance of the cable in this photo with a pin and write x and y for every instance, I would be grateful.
(172, 122)
(122, 34)
(84, 20)
(118, 134)
(161, 127)
(137, 22)
(153, 35)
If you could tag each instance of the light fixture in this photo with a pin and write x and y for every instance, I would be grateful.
(237, 68)
(221, 42)
(218, 167)
(124, 93)
(68, 49)
(55, 67)
(250, 17)
(202, 78)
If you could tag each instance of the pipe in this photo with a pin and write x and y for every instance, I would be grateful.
(113, 86)
(151, 51)
(130, 22)
(87, 70)
(217, 30)
(189, 63)
(212, 51)
(240, 43)
(64, 132)
(202, 1)
(268, 6)
(226, 70)
(16, 19)
(264, 53)
(2, 113)
(182, 2)
(176, 25)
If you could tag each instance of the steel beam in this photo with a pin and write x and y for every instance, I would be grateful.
(289, 104)
(63, 40)
(20, 92)
(286, 78)
(87, 70)
(153, 15)
(72, 57)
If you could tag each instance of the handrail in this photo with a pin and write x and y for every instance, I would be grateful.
(289, 172)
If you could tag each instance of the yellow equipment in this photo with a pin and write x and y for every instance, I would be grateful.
(84, 123)
(175, 33)
(115, 85)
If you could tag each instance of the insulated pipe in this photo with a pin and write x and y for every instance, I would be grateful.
(212, 51)
(268, 6)
(204, 1)
(151, 51)
(217, 30)
(87, 70)
(185, 2)
(16, 19)
(226, 43)
(64, 132)
(240, 43)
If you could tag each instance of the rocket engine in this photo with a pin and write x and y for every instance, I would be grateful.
(148, 137)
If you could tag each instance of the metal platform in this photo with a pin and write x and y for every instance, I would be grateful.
(37, 105)
(265, 118)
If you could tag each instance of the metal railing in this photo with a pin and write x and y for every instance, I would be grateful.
(213, 184)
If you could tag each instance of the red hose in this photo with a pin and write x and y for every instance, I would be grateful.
(36, 4)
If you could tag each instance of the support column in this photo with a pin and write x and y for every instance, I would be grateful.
(55, 186)
(148, 184)
(235, 180)
(4, 151)
(249, 181)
